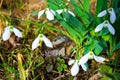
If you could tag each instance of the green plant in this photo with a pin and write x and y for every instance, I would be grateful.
(62, 66)
(108, 73)
(90, 33)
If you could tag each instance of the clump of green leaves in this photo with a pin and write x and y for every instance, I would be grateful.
(86, 30)
(108, 73)
(62, 66)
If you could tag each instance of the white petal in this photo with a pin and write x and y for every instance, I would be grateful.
(71, 13)
(112, 17)
(7, 28)
(71, 62)
(59, 11)
(102, 13)
(17, 32)
(6, 34)
(84, 59)
(47, 42)
(35, 43)
(40, 13)
(75, 69)
(111, 29)
(49, 15)
(53, 12)
(99, 27)
(84, 67)
(98, 59)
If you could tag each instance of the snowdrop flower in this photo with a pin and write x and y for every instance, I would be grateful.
(90, 55)
(43, 38)
(105, 24)
(111, 12)
(64, 10)
(8, 29)
(75, 68)
(49, 13)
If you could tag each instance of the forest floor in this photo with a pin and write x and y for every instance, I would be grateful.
(42, 63)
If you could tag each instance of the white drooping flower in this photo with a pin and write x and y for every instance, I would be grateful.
(105, 24)
(90, 55)
(8, 30)
(64, 10)
(111, 12)
(75, 68)
(102, 13)
(43, 38)
(49, 13)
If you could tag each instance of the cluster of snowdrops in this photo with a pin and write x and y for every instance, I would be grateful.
(50, 14)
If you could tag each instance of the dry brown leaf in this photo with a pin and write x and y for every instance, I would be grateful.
(12, 41)
(93, 6)
(37, 4)
(68, 49)
(59, 41)
(1, 27)
(35, 1)
(97, 76)
(7, 45)
(55, 52)
(1, 1)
